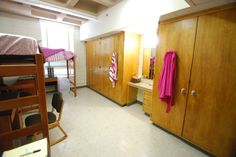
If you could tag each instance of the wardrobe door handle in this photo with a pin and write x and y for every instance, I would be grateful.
(183, 91)
(193, 93)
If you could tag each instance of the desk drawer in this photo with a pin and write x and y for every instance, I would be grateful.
(147, 95)
(147, 102)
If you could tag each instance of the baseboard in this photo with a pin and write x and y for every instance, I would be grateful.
(135, 102)
(139, 102)
(122, 105)
(83, 86)
(77, 87)
(185, 141)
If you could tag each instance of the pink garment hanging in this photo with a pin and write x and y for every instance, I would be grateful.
(113, 70)
(167, 79)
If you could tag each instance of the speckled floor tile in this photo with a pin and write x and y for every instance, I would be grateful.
(97, 127)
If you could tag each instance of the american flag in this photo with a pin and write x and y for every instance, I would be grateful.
(113, 70)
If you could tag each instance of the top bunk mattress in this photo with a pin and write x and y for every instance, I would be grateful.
(17, 45)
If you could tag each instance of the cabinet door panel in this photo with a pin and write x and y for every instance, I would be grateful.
(88, 62)
(107, 50)
(97, 68)
(178, 36)
(109, 45)
(210, 119)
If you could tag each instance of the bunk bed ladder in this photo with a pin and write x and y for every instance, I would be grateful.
(36, 69)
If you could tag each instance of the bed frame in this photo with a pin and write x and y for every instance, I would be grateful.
(73, 83)
(21, 65)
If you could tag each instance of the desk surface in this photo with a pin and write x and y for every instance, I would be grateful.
(50, 79)
(145, 84)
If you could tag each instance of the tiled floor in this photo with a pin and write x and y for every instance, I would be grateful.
(97, 127)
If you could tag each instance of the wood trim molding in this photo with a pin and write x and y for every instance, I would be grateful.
(102, 35)
(191, 3)
(71, 3)
(193, 12)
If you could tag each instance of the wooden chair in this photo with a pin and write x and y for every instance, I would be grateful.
(53, 121)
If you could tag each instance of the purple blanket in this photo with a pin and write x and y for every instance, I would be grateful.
(47, 52)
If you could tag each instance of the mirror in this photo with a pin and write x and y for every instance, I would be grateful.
(149, 43)
(148, 63)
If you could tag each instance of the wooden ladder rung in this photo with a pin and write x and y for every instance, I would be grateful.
(20, 133)
(17, 70)
(16, 87)
(18, 102)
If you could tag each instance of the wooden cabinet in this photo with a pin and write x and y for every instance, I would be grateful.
(99, 54)
(178, 36)
(205, 112)
(147, 102)
(213, 78)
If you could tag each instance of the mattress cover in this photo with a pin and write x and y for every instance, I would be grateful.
(60, 56)
(17, 45)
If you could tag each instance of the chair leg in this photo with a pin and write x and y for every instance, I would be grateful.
(61, 139)
(62, 130)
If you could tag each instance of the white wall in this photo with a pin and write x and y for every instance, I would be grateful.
(138, 16)
(21, 25)
(81, 59)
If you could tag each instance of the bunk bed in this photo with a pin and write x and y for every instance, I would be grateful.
(55, 55)
(19, 56)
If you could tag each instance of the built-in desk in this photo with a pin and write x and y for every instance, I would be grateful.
(146, 86)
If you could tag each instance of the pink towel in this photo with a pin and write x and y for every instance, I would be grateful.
(47, 52)
(113, 70)
(167, 79)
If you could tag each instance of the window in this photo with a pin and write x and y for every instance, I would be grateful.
(57, 35)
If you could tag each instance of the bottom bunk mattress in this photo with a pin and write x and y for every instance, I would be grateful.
(17, 45)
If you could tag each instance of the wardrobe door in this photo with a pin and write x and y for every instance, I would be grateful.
(210, 120)
(178, 36)
(90, 58)
(97, 67)
(107, 50)
(88, 62)
(117, 92)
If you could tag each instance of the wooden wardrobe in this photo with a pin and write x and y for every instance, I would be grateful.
(204, 112)
(99, 53)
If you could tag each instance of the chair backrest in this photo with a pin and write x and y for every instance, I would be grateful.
(57, 101)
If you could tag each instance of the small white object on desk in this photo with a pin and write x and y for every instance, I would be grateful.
(34, 149)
